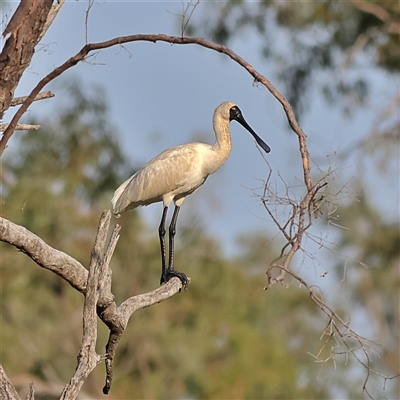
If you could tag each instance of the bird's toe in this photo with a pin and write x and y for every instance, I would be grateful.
(172, 274)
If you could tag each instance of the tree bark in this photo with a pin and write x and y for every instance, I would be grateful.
(7, 390)
(25, 29)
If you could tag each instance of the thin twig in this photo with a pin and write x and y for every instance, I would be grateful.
(31, 392)
(21, 127)
(185, 17)
(41, 96)
(90, 5)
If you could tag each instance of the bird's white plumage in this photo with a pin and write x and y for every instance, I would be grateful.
(178, 171)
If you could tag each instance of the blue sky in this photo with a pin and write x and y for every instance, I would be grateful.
(162, 95)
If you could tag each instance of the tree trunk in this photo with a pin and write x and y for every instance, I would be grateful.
(25, 29)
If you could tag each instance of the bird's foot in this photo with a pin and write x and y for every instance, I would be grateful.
(169, 274)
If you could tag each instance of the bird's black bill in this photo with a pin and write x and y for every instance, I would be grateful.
(236, 114)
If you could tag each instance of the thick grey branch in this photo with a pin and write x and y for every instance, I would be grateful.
(125, 311)
(44, 255)
(88, 358)
(134, 303)
(116, 318)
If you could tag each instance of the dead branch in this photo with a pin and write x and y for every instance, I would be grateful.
(7, 390)
(126, 309)
(300, 219)
(87, 11)
(187, 13)
(55, 8)
(21, 127)
(338, 328)
(116, 318)
(41, 96)
(44, 255)
(31, 392)
(88, 359)
(296, 226)
(88, 48)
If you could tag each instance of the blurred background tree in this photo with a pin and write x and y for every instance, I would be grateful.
(340, 50)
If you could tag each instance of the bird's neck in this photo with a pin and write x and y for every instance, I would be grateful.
(223, 145)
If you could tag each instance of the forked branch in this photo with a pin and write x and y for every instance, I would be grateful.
(88, 358)
(95, 285)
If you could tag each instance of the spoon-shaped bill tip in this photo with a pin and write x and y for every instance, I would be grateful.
(262, 144)
(236, 114)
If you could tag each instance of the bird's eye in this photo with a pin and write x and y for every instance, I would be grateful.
(234, 113)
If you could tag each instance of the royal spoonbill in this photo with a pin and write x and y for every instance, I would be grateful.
(176, 173)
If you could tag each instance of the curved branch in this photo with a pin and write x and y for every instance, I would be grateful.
(44, 255)
(88, 48)
(125, 311)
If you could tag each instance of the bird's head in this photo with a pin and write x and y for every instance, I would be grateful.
(224, 110)
(230, 111)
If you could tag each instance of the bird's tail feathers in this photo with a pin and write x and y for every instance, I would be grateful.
(118, 207)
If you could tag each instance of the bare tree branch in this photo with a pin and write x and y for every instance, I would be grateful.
(7, 390)
(31, 392)
(55, 8)
(116, 318)
(187, 13)
(21, 127)
(41, 96)
(88, 359)
(82, 54)
(44, 255)
(125, 310)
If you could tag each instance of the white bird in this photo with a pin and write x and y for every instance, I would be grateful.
(176, 173)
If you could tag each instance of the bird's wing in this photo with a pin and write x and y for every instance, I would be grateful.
(172, 170)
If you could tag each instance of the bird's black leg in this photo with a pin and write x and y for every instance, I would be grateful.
(161, 234)
(172, 231)
(170, 272)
